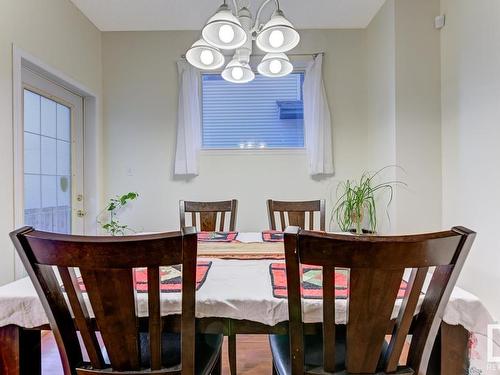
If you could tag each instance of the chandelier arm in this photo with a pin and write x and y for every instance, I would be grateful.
(235, 6)
(257, 17)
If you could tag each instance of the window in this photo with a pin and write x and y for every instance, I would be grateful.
(47, 160)
(264, 113)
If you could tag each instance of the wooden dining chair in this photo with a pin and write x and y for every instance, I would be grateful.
(294, 214)
(376, 265)
(106, 266)
(209, 214)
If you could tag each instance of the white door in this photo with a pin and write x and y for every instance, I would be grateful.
(53, 156)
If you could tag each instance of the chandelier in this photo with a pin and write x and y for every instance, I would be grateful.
(235, 30)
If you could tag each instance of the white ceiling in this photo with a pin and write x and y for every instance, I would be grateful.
(134, 15)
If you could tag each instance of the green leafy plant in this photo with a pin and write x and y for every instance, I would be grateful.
(357, 200)
(113, 226)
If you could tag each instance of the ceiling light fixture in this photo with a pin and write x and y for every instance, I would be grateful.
(275, 65)
(235, 30)
(204, 56)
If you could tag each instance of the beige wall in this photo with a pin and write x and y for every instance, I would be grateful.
(58, 34)
(140, 106)
(418, 115)
(404, 109)
(383, 84)
(471, 131)
(380, 65)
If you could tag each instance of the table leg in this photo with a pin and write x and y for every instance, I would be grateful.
(454, 350)
(20, 351)
(231, 345)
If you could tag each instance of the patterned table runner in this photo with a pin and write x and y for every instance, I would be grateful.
(272, 236)
(238, 250)
(217, 236)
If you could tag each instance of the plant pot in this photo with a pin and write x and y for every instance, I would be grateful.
(364, 231)
(357, 219)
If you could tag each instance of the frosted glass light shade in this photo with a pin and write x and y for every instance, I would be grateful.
(275, 65)
(277, 35)
(204, 56)
(223, 30)
(238, 72)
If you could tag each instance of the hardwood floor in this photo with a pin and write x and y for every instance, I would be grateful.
(254, 355)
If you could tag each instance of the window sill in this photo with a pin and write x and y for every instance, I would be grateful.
(252, 151)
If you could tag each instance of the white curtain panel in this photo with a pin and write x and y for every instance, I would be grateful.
(317, 121)
(188, 121)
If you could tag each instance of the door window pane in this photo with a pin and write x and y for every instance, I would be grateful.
(31, 112)
(63, 203)
(47, 164)
(48, 114)
(63, 158)
(32, 197)
(49, 156)
(49, 191)
(31, 153)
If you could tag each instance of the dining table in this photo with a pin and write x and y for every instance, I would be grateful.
(240, 291)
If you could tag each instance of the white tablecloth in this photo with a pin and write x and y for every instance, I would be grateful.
(241, 289)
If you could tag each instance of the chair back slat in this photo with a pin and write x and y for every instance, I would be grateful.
(329, 318)
(371, 301)
(210, 213)
(295, 326)
(82, 316)
(376, 266)
(282, 220)
(107, 268)
(208, 221)
(437, 295)
(111, 294)
(188, 309)
(222, 220)
(155, 327)
(59, 316)
(297, 219)
(405, 317)
(294, 214)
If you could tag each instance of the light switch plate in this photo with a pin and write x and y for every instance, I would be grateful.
(439, 22)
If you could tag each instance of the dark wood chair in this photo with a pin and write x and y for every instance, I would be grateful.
(376, 265)
(107, 267)
(208, 215)
(296, 212)
(209, 212)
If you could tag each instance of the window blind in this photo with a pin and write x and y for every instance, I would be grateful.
(251, 115)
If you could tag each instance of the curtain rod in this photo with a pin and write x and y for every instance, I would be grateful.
(314, 54)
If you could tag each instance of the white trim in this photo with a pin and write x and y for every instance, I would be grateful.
(91, 125)
(252, 151)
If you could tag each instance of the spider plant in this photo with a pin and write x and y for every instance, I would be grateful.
(357, 200)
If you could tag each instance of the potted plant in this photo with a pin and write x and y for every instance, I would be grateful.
(112, 225)
(357, 202)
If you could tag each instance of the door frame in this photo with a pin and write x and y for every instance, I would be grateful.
(92, 169)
